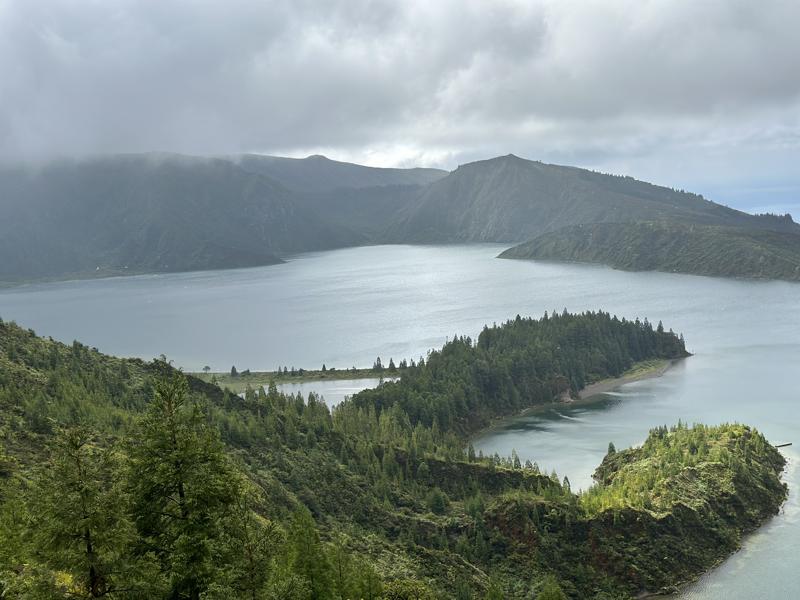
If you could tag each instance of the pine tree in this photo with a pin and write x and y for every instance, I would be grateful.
(79, 524)
(307, 557)
(551, 590)
(248, 548)
(181, 484)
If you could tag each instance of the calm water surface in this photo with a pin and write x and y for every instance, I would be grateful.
(346, 307)
(332, 391)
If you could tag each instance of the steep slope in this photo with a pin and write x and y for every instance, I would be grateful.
(509, 199)
(150, 213)
(320, 174)
(674, 247)
(356, 197)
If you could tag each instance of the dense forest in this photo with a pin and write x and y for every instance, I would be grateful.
(121, 478)
(673, 247)
(519, 364)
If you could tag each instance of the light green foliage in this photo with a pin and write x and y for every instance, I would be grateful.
(307, 557)
(405, 589)
(655, 476)
(551, 590)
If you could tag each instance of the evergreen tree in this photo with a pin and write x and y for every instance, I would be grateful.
(79, 525)
(551, 590)
(248, 550)
(307, 557)
(182, 486)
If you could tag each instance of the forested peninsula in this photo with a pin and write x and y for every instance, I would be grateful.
(674, 247)
(121, 478)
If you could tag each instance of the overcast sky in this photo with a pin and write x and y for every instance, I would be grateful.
(699, 94)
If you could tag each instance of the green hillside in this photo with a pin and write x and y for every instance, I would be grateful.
(510, 199)
(149, 213)
(125, 479)
(672, 247)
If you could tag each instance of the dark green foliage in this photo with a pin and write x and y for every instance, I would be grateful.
(79, 520)
(381, 499)
(672, 247)
(150, 213)
(437, 501)
(164, 212)
(182, 485)
(510, 199)
(516, 365)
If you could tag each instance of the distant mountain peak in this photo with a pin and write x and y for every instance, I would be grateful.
(505, 159)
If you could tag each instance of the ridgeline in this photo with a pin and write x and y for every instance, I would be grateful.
(151, 213)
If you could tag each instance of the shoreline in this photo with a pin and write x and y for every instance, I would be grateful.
(641, 371)
(645, 370)
(256, 379)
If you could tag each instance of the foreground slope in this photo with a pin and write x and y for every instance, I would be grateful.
(510, 199)
(671, 247)
(367, 501)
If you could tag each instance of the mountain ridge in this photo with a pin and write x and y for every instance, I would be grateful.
(161, 212)
(510, 199)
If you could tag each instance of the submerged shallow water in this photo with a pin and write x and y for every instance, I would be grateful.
(346, 307)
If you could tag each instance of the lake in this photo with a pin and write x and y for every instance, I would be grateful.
(333, 391)
(345, 308)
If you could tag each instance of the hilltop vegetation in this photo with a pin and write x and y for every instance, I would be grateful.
(163, 212)
(520, 364)
(126, 479)
(510, 199)
(672, 247)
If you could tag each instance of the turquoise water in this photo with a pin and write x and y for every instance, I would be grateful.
(347, 307)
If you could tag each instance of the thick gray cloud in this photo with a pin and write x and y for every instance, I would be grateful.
(694, 94)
